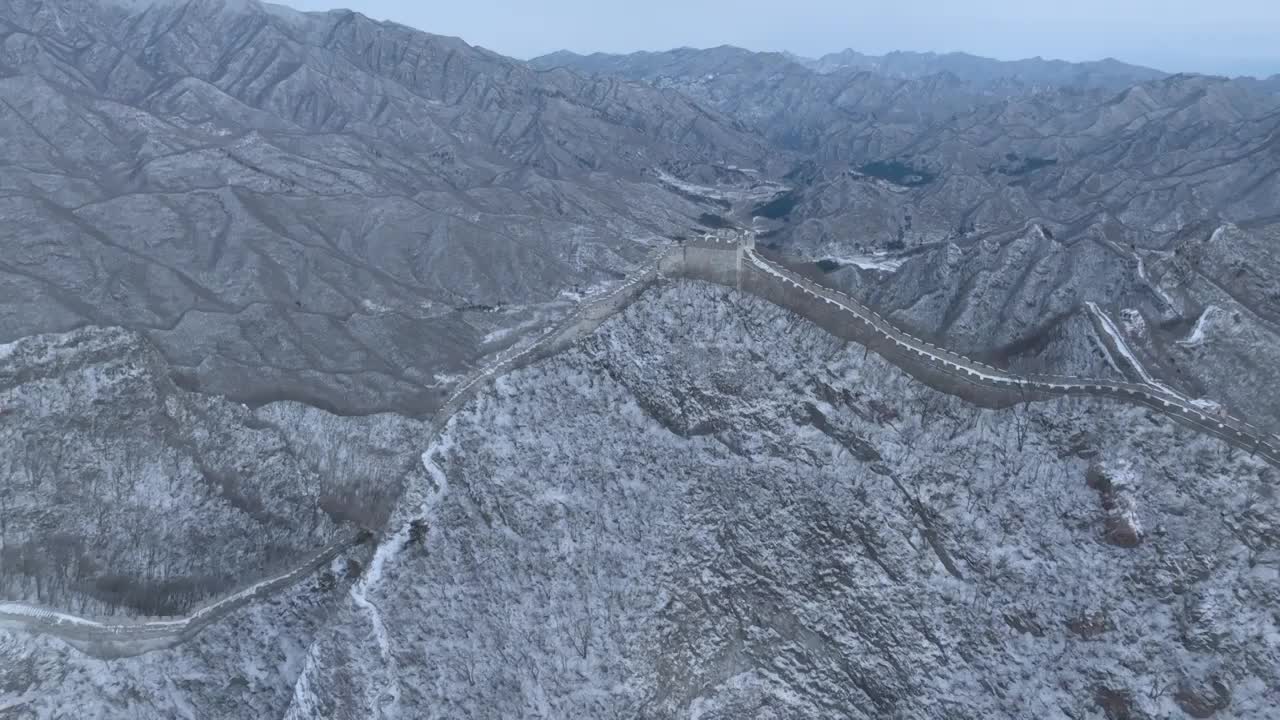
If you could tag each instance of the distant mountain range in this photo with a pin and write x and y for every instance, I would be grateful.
(984, 73)
(956, 160)
(1033, 72)
(319, 206)
(1030, 73)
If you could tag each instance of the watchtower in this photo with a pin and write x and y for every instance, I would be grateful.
(718, 256)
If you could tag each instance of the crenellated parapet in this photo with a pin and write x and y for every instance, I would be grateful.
(729, 260)
(717, 256)
(723, 239)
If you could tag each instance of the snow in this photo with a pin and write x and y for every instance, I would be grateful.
(304, 703)
(1106, 354)
(594, 501)
(759, 192)
(28, 615)
(1122, 347)
(359, 592)
(580, 483)
(899, 338)
(374, 307)
(16, 701)
(874, 261)
(1196, 337)
(1155, 287)
(439, 379)
(1209, 406)
(1134, 324)
(505, 332)
(496, 335)
(432, 466)
(1174, 401)
(586, 293)
(593, 506)
(284, 12)
(387, 552)
(40, 614)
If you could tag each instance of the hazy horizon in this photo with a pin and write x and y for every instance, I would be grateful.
(1174, 36)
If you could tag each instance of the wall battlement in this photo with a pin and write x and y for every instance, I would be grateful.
(717, 256)
(724, 240)
(738, 266)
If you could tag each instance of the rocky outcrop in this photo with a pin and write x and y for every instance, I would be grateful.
(1115, 487)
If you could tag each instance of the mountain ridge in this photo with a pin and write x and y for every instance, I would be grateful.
(223, 135)
(1109, 72)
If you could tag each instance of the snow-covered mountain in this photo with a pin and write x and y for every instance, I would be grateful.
(1009, 209)
(348, 371)
(769, 522)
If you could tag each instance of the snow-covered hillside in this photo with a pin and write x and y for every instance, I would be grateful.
(712, 509)
(124, 494)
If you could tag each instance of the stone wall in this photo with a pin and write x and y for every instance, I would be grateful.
(728, 262)
(714, 258)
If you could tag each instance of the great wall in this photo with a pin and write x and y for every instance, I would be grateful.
(727, 259)
(734, 262)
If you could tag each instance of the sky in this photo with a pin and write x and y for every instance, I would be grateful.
(1228, 37)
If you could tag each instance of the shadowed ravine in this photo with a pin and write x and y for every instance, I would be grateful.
(721, 260)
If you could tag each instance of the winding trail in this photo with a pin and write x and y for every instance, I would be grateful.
(730, 262)
(123, 638)
(424, 500)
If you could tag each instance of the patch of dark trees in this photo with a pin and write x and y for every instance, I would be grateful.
(899, 173)
(62, 570)
(1019, 165)
(714, 221)
(779, 207)
(804, 173)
